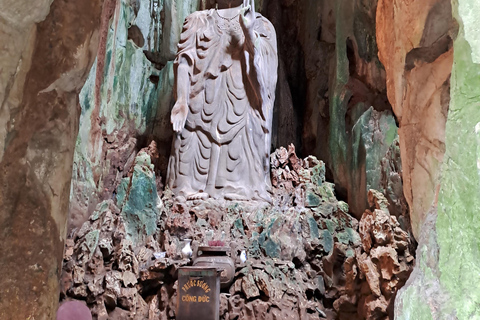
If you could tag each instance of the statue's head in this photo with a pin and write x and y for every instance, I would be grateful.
(228, 3)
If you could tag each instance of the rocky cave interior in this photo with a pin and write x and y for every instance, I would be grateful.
(374, 163)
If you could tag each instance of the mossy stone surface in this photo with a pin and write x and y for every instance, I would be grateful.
(138, 203)
(458, 223)
(446, 282)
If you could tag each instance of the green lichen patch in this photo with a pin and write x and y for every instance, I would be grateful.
(137, 198)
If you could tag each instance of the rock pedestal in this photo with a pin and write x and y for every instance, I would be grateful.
(304, 256)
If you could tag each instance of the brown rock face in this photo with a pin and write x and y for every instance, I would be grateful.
(40, 110)
(385, 261)
(74, 310)
(300, 253)
(415, 46)
(332, 93)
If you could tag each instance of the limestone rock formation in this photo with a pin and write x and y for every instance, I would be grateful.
(445, 281)
(128, 102)
(415, 46)
(375, 162)
(137, 196)
(332, 92)
(102, 266)
(47, 49)
(306, 256)
(385, 260)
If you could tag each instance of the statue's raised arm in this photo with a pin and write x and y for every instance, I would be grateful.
(226, 73)
(261, 41)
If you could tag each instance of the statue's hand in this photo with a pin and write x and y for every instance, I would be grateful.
(179, 115)
(247, 18)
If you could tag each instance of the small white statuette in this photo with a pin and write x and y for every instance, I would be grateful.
(187, 250)
(159, 255)
(209, 236)
(243, 256)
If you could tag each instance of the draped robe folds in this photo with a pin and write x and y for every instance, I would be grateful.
(223, 150)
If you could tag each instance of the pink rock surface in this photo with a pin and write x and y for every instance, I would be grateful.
(73, 310)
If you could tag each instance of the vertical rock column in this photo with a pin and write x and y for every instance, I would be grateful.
(446, 281)
(415, 46)
(361, 127)
(51, 46)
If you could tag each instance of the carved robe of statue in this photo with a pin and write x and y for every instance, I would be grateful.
(222, 151)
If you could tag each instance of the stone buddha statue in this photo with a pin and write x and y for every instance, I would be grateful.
(226, 74)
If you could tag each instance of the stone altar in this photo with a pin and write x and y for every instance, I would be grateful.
(226, 74)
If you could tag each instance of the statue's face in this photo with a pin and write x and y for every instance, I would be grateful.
(229, 3)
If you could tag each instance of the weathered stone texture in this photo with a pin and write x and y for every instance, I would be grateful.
(445, 282)
(304, 252)
(127, 103)
(48, 51)
(415, 45)
(330, 80)
(137, 197)
(17, 34)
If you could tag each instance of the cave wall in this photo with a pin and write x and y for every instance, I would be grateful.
(332, 97)
(415, 46)
(445, 282)
(127, 103)
(332, 92)
(47, 49)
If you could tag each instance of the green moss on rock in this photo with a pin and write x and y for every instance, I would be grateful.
(459, 200)
(446, 281)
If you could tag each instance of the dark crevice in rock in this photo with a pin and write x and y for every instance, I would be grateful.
(154, 79)
(351, 57)
(135, 34)
(155, 58)
(428, 54)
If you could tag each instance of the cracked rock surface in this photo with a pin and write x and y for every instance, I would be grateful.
(307, 257)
